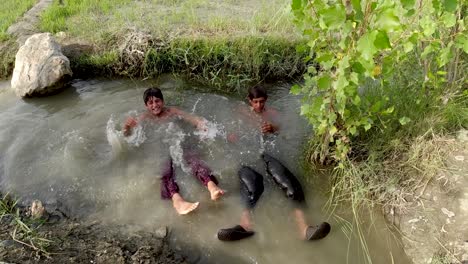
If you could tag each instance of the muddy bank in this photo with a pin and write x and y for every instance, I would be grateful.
(434, 220)
(59, 239)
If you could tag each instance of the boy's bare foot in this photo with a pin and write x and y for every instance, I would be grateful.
(183, 207)
(215, 191)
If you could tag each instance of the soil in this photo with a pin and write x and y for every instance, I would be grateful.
(435, 226)
(79, 241)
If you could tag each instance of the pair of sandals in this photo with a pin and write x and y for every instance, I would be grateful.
(238, 232)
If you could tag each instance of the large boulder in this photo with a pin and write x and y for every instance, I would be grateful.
(40, 67)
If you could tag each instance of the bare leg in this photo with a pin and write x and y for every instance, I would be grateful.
(215, 191)
(245, 220)
(301, 222)
(182, 207)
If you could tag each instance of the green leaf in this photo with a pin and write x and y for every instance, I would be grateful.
(410, 13)
(444, 55)
(324, 82)
(449, 19)
(436, 5)
(366, 45)
(407, 4)
(317, 105)
(376, 107)
(357, 9)
(352, 130)
(332, 130)
(450, 5)
(367, 126)
(358, 68)
(305, 109)
(428, 25)
(461, 41)
(382, 41)
(408, 46)
(388, 110)
(325, 57)
(334, 17)
(388, 21)
(357, 100)
(296, 5)
(404, 120)
(427, 51)
(295, 89)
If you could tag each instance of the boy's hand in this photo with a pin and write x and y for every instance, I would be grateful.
(268, 128)
(232, 138)
(129, 124)
(201, 125)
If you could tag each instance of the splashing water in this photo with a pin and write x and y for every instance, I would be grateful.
(113, 137)
(210, 131)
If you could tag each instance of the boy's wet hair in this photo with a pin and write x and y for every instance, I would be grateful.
(152, 92)
(257, 92)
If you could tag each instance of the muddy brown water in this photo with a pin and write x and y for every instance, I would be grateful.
(68, 150)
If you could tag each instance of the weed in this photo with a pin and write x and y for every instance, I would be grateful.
(24, 230)
(10, 12)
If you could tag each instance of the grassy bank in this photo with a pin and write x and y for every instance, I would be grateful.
(224, 44)
(392, 164)
(225, 64)
(12, 10)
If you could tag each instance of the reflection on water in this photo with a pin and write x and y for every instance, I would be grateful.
(70, 148)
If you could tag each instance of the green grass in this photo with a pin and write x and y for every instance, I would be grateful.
(224, 44)
(392, 163)
(10, 12)
(21, 227)
(58, 17)
(87, 19)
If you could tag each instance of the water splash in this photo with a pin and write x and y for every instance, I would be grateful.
(114, 137)
(210, 130)
(175, 137)
(137, 137)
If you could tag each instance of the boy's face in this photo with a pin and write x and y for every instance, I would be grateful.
(155, 105)
(258, 104)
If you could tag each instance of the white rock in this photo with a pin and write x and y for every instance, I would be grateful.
(40, 67)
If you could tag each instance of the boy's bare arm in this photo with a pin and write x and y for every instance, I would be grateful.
(196, 121)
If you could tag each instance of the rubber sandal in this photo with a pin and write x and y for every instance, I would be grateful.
(318, 231)
(234, 233)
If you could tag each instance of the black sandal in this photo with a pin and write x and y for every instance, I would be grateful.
(234, 233)
(318, 231)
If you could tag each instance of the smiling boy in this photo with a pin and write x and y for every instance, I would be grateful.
(156, 111)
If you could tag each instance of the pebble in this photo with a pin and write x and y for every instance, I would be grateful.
(460, 158)
(447, 212)
(161, 232)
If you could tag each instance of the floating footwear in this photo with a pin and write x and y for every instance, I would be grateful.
(234, 233)
(318, 231)
(284, 178)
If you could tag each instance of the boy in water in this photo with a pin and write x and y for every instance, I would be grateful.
(252, 181)
(157, 112)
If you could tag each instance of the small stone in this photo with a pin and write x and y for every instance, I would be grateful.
(161, 232)
(8, 243)
(447, 212)
(460, 158)
(37, 210)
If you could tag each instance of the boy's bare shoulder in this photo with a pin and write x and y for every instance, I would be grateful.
(171, 110)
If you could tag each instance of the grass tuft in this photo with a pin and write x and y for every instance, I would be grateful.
(12, 10)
